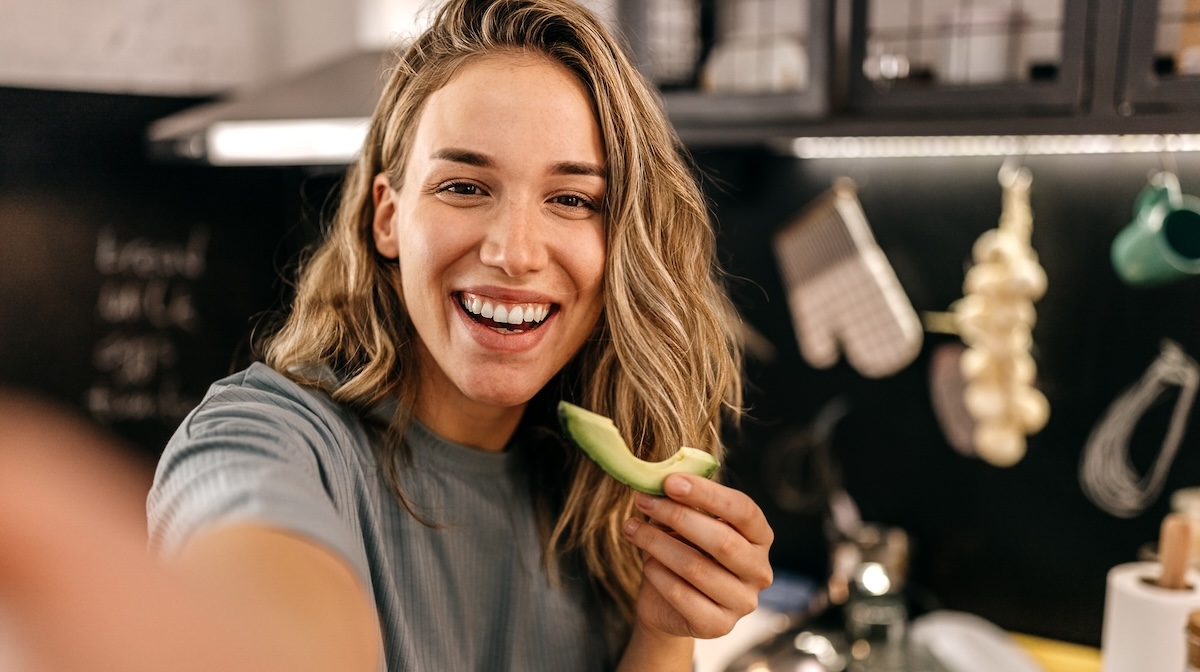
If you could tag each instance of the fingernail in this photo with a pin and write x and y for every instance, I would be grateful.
(631, 526)
(646, 502)
(678, 485)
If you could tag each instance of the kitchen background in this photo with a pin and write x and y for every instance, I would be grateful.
(132, 274)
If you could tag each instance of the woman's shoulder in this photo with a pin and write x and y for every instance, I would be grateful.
(261, 447)
(259, 377)
(263, 389)
(260, 404)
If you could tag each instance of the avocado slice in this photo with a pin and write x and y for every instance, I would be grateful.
(599, 438)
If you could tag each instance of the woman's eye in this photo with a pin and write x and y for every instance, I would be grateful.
(462, 188)
(573, 201)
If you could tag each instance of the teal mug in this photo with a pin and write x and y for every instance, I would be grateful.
(1162, 243)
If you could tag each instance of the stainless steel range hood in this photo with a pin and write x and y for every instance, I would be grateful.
(316, 118)
(315, 115)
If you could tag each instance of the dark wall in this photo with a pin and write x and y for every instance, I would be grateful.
(1022, 546)
(126, 287)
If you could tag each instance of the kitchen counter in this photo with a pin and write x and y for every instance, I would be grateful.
(1058, 656)
(1052, 655)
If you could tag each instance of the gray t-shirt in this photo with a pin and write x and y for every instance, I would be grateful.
(468, 593)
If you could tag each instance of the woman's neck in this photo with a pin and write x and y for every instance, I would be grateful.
(474, 425)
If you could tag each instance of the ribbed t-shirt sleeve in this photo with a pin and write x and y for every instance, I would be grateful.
(248, 454)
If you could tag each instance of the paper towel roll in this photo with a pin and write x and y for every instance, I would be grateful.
(1145, 625)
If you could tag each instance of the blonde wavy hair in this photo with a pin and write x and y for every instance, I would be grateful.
(664, 360)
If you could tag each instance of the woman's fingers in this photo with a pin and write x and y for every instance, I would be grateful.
(724, 538)
(706, 548)
(680, 607)
(700, 574)
(697, 536)
(732, 506)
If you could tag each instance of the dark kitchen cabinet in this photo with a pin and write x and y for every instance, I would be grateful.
(904, 67)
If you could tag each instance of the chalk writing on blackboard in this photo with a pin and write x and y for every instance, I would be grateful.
(158, 302)
(146, 303)
(134, 360)
(165, 402)
(145, 258)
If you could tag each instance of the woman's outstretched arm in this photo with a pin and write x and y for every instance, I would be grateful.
(83, 593)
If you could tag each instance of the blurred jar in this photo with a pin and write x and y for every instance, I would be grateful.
(760, 48)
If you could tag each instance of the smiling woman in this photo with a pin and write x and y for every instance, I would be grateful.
(388, 489)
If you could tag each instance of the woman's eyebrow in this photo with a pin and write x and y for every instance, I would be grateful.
(478, 160)
(577, 168)
(464, 156)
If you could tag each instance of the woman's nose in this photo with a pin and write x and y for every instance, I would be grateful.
(513, 242)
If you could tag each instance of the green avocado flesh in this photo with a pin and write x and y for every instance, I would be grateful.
(599, 438)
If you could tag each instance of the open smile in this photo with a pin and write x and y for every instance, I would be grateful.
(507, 318)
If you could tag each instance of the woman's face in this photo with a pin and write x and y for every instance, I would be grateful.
(498, 231)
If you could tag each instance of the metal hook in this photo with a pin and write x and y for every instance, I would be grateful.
(1167, 161)
(1013, 175)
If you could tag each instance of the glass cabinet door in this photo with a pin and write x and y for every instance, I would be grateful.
(1162, 69)
(733, 62)
(943, 55)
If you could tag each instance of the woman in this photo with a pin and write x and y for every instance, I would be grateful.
(387, 490)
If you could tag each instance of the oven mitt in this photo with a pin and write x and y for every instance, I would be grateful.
(843, 295)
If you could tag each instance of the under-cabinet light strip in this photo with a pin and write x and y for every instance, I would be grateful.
(298, 142)
(989, 145)
(339, 140)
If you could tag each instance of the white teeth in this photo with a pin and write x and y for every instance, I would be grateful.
(502, 313)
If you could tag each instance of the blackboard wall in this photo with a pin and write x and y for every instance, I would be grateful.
(126, 287)
(1022, 546)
